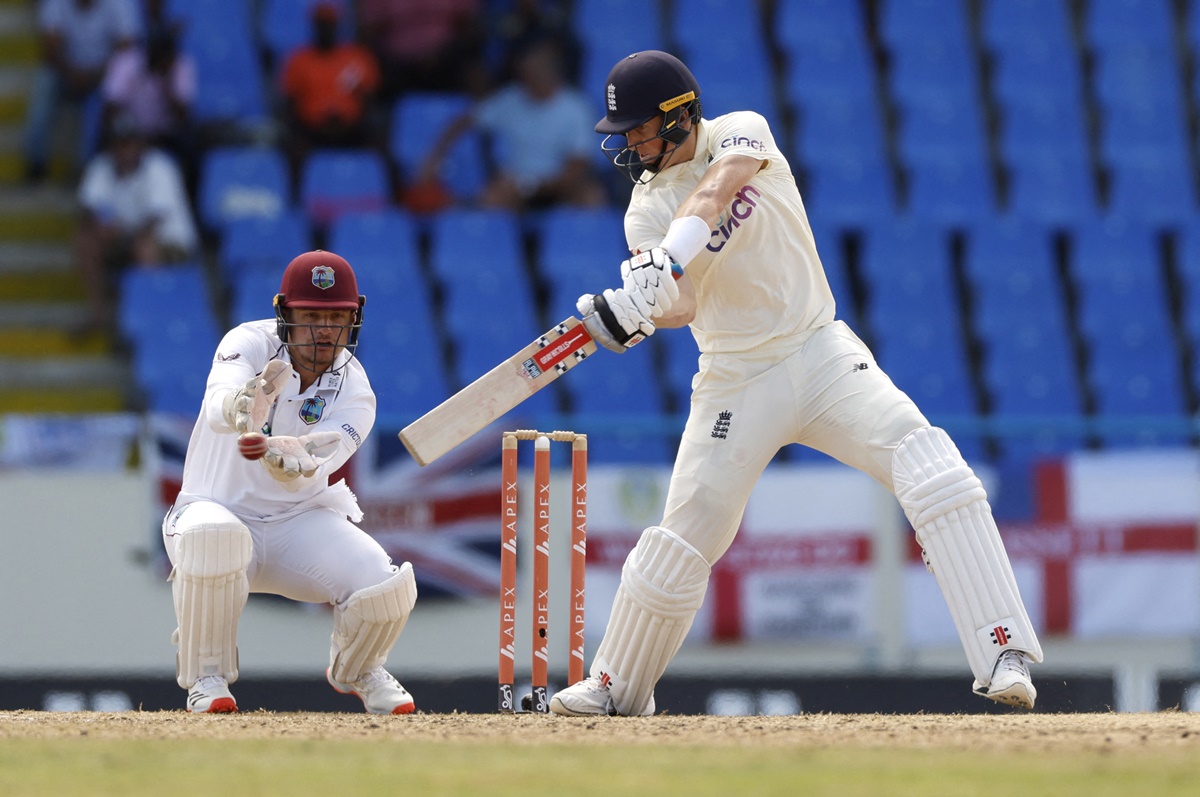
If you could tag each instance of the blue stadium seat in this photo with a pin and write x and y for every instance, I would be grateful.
(1117, 22)
(606, 389)
(905, 21)
(1152, 187)
(722, 43)
(1134, 364)
(942, 129)
(1037, 66)
(1056, 188)
(166, 316)
(839, 127)
(229, 86)
(608, 35)
(733, 76)
(465, 242)
(490, 310)
(680, 361)
(253, 295)
(1145, 74)
(1005, 22)
(338, 181)
(850, 191)
(1041, 125)
(242, 181)
(906, 254)
(579, 251)
(837, 69)
(263, 243)
(1010, 269)
(912, 309)
(934, 70)
(416, 120)
(390, 235)
(832, 253)
(1187, 268)
(1135, 130)
(399, 345)
(925, 357)
(951, 190)
(803, 24)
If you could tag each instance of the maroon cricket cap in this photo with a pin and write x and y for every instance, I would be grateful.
(320, 280)
(643, 85)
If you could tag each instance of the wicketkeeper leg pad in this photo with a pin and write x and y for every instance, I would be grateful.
(210, 588)
(367, 624)
(947, 506)
(663, 583)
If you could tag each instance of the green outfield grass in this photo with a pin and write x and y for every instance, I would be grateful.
(180, 767)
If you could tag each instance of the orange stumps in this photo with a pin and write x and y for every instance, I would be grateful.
(541, 573)
(579, 454)
(508, 571)
(511, 521)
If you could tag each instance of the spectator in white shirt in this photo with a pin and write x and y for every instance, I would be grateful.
(135, 212)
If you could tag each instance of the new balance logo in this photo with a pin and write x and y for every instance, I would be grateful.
(721, 427)
(1000, 636)
(860, 367)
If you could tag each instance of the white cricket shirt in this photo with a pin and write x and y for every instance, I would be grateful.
(340, 401)
(759, 282)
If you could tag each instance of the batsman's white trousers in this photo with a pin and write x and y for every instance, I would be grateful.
(316, 557)
(828, 393)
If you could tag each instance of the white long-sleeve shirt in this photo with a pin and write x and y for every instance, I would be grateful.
(340, 400)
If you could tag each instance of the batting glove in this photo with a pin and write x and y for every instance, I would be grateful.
(289, 458)
(650, 275)
(247, 408)
(616, 319)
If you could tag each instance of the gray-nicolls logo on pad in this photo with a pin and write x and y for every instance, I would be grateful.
(721, 427)
(612, 97)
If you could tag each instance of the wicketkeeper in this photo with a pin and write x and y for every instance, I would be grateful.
(276, 524)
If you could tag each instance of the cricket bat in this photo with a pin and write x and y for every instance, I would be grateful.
(499, 390)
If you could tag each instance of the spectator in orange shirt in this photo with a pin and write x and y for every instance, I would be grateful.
(329, 86)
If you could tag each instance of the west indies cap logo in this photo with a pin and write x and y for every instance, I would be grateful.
(312, 409)
(323, 277)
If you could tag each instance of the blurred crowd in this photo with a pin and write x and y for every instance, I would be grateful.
(127, 68)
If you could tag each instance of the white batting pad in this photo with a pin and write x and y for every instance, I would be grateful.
(662, 587)
(210, 589)
(367, 625)
(947, 506)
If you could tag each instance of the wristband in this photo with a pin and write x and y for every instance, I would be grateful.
(685, 238)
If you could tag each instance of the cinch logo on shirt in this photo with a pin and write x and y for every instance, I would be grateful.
(739, 210)
(743, 141)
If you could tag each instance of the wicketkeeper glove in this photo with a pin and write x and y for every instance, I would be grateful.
(650, 275)
(247, 408)
(289, 458)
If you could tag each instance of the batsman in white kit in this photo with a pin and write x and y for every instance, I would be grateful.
(276, 525)
(715, 203)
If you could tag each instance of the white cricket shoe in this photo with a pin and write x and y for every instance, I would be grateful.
(1011, 683)
(379, 691)
(588, 698)
(210, 695)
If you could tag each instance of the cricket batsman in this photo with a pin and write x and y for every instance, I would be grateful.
(715, 204)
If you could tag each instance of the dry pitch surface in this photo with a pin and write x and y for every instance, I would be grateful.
(1064, 733)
